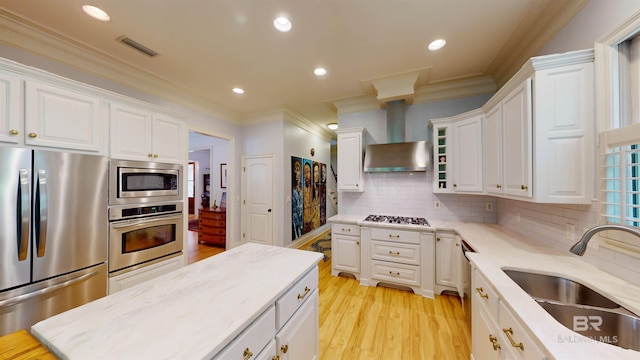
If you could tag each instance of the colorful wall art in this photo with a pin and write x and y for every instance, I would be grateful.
(308, 194)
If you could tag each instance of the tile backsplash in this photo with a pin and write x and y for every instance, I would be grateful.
(410, 194)
(553, 226)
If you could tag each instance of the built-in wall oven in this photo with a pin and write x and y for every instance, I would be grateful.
(135, 182)
(140, 234)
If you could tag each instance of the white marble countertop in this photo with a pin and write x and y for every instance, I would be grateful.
(190, 313)
(498, 248)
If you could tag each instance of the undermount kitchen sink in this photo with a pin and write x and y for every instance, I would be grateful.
(559, 289)
(616, 327)
(581, 309)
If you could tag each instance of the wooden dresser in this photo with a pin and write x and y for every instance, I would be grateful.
(212, 227)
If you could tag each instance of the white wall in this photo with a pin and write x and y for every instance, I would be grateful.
(410, 194)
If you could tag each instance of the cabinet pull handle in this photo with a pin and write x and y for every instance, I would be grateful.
(33, 135)
(494, 341)
(284, 348)
(347, 230)
(480, 290)
(247, 354)
(498, 186)
(509, 332)
(13, 132)
(394, 273)
(276, 357)
(394, 236)
(394, 252)
(524, 187)
(306, 291)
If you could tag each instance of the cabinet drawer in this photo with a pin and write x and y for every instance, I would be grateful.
(212, 231)
(395, 273)
(345, 229)
(253, 339)
(485, 294)
(395, 252)
(213, 223)
(212, 216)
(529, 349)
(288, 303)
(410, 237)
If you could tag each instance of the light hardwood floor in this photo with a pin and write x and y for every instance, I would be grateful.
(361, 322)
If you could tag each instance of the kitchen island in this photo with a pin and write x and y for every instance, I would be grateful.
(191, 313)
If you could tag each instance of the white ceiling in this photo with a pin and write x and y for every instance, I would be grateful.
(207, 47)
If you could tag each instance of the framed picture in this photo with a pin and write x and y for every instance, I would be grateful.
(223, 176)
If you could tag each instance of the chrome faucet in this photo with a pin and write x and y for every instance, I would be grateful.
(581, 246)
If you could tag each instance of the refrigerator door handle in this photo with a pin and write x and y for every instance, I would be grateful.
(47, 290)
(42, 213)
(24, 214)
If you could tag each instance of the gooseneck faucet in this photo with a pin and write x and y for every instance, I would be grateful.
(581, 246)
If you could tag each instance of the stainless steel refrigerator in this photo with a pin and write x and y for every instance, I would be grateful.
(53, 234)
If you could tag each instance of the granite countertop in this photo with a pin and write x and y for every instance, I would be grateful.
(499, 249)
(190, 313)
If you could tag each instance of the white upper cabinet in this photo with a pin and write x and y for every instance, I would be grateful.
(140, 133)
(11, 109)
(458, 153)
(539, 132)
(350, 159)
(63, 117)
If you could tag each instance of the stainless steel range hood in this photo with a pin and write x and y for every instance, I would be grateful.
(397, 155)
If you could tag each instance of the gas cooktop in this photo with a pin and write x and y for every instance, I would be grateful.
(402, 220)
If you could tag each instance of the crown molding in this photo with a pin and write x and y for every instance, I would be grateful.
(24, 35)
(285, 113)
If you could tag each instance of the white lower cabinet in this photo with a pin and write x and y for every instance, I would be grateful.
(495, 332)
(299, 338)
(398, 257)
(345, 242)
(135, 277)
(253, 339)
(289, 329)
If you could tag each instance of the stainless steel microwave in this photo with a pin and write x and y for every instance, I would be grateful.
(134, 182)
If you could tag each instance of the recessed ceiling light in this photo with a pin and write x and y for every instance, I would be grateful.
(96, 13)
(320, 71)
(238, 90)
(437, 44)
(332, 126)
(282, 24)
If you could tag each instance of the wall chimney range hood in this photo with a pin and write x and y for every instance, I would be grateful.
(397, 155)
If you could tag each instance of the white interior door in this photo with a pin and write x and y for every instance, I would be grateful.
(257, 199)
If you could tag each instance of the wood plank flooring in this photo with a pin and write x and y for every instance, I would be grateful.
(361, 322)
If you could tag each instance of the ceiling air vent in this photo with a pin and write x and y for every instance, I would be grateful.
(136, 45)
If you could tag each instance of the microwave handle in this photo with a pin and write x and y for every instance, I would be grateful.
(144, 221)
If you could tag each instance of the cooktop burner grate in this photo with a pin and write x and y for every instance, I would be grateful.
(397, 220)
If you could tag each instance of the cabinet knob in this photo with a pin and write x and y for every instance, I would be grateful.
(149, 155)
(284, 348)
(437, 239)
(155, 155)
(455, 185)
(13, 132)
(33, 135)
(524, 187)
(498, 186)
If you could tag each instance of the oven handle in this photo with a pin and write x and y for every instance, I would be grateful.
(129, 223)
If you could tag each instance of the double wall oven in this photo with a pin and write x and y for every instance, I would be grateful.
(145, 214)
